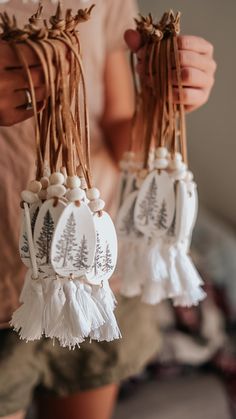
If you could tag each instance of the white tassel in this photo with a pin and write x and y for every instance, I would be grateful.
(128, 270)
(106, 299)
(72, 324)
(26, 287)
(174, 284)
(156, 264)
(94, 315)
(154, 292)
(190, 279)
(28, 318)
(54, 302)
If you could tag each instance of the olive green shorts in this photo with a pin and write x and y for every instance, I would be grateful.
(59, 371)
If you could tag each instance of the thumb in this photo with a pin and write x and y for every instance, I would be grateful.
(133, 40)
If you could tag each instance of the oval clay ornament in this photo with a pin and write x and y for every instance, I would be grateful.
(43, 233)
(106, 249)
(125, 225)
(155, 205)
(23, 240)
(74, 241)
(186, 210)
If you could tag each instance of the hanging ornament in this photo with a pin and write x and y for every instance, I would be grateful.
(163, 209)
(67, 241)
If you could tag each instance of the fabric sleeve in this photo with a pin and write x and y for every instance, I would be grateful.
(120, 16)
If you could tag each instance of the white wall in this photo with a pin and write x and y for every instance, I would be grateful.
(212, 130)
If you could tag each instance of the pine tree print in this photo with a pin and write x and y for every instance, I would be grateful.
(81, 257)
(107, 265)
(98, 255)
(171, 231)
(33, 219)
(148, 206)
(25, 247)
(162, 217)
(45, 239)
(128, 221)
(67, 243)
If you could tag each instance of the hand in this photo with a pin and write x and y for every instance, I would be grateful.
(13, 82)
(197, 67)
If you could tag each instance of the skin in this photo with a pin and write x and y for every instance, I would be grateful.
(198, 69)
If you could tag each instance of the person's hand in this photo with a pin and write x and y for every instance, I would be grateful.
(13, 84)
(197, 67)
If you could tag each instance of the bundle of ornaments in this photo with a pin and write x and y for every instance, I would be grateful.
(158, 197)
(67, 241)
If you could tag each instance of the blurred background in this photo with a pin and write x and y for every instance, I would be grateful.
(195, 375)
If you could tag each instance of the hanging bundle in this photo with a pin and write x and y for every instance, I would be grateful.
(67, 241)
(158, 197)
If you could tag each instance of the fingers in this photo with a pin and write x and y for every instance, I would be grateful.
(9, 58)
(133, 40)
(17, 79)
(196, 44)
(192, 98)
(192, 77)
(194, 59)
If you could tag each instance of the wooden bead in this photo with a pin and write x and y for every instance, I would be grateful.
(161, 163)
(44, 182)
(161, 152)
(175, 164)
(57, 178)
(177, 157)
(93, 193)
(47, 172)
(128, 155)
(56, 191)
(96, 205)
(189, 176)
(73, 182)
(29, 197)
(75, 195)
(43, 194)
(35, 186)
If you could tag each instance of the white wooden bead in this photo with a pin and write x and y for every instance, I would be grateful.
(161, 152)
(93, 193)
(177, 157)
(56, 191)
(57, 178)
(35, 186)
(44, 182)
(189, 176)
(29, 197)
(161, 163)
(96, 205)
(75, 195)
(73, 182)
(83, 183)
(43, 194)
(175, 164)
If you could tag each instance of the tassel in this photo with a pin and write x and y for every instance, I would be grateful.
(156, 264)
(190, 279)
(154, 292)
(54, 302)
(128, 270)
(94, 315)
(174, 284)
(26, 286)
(72, 324)
(28, 318)
(106, 299)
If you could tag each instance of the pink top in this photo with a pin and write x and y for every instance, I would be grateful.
(102, 34)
